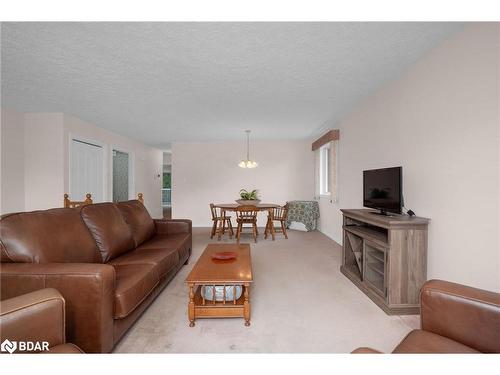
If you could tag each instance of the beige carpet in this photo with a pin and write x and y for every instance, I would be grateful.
(301, 303)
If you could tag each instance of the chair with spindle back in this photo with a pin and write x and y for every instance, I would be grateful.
(246, 214)
(220, 220)
(75, 204)
(279, 214)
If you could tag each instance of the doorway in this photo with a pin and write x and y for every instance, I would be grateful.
(121, 176)
(86, 170)
(166, 191)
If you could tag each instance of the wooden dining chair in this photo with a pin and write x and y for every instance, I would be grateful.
(75, 204)
(220, 220)
(246, 214)
(279, 214)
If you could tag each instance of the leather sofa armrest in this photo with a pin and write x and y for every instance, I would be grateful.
(173, 226)
(365, 350)
(88, 289)
(36, 316)
(468, 315)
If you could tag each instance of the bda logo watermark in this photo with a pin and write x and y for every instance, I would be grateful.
(24, 346)
(8, 346)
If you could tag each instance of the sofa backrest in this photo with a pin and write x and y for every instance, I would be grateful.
(138, 219)
(57, 235)
(109, 229)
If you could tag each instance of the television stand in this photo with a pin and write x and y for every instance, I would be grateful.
(380, 213)
(386, 257)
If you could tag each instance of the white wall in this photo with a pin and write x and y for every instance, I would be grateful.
(203, 173)
(147, 161)
(498, 170)
(167, 158)
(167, 162)
(12, 162)
(43, 160)
(440, 121)
(35, 161)
(1, 158)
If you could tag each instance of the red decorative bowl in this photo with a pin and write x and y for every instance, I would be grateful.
(224, 255)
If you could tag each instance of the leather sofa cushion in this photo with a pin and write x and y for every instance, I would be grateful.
(365, 350)
(134, 282)
(180, 242)
(171, 241)
(138, 219)
(184, 251)
(64, 349)
(163, 260)
(52, 236)
(418, 341)
(462, 313)
(35, 316)
(109, 229)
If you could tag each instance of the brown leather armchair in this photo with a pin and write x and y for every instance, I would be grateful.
(37, 317)
(454, 318)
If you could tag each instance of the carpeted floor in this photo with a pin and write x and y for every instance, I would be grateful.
(301, 303)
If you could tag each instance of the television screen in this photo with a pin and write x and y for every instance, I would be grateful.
(382, 189)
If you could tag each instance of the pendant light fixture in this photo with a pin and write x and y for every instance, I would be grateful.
(247, 163)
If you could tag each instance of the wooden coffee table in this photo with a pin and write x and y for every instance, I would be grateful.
(210, 272)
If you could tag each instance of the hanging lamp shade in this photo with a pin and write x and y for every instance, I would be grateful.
(248, 163)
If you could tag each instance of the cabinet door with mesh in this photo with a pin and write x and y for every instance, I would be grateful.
(375, 269)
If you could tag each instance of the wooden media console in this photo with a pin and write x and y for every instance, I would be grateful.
(386, 257)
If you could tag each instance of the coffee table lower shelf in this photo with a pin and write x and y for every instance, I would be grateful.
(200, 308)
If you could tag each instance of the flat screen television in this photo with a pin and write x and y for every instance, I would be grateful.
(382, 189)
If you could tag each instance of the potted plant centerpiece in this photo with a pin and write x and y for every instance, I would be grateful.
(251, 197)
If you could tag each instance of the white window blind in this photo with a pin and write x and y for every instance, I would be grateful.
(333, 171)
(324, 170)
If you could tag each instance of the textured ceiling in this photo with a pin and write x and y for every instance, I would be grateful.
(164, 82)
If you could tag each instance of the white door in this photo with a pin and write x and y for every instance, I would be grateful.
(86, 171)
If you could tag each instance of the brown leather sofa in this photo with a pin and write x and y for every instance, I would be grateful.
(108, 260)
(454, 319)
(36, 317)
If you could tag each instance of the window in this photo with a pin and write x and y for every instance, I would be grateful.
(166, 191)
(325, 166)
(324, 170)
(167, 177)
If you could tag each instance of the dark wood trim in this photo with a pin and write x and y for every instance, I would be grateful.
(331, 135)
(75, 204)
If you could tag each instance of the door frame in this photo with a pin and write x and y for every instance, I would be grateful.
(76, 137)
(131, 170)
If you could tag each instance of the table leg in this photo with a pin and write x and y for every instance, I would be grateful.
(230, 225)
(246, 305)
(191, 305)
(219, 231)
(271, 224)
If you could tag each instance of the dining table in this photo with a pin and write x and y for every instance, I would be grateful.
(269, 207)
